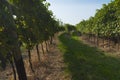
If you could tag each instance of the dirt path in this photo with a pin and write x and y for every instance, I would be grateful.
(54, 67)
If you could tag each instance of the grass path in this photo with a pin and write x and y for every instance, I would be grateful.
(87, 63)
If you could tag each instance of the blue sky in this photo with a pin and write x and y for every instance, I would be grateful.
(73, 11)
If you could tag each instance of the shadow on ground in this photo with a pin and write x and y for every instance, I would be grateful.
(87, 63)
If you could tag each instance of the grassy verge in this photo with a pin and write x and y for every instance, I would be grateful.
(87, 63)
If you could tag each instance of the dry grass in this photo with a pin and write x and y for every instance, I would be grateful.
(51, 66)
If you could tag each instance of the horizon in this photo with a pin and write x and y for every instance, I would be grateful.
(72, 12)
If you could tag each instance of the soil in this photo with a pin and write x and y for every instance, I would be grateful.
(112, 50)
(51, 66)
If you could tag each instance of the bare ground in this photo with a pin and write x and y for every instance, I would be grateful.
(51, 66)
(112, 50)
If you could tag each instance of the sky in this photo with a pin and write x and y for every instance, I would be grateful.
(74, 11)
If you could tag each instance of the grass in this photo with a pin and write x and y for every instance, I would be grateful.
(87, 63)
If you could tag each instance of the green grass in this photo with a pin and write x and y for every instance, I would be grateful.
(87, 63)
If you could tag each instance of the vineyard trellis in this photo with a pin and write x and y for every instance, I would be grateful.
(26, 24)
(105, 24)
